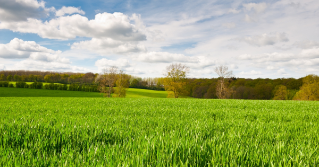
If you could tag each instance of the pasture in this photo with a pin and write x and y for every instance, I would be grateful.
(69, 131)
(25, 92)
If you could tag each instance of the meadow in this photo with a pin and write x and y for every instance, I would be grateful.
(71, 131)
(25, 92)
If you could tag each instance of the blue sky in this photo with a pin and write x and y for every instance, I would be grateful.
(255, 39)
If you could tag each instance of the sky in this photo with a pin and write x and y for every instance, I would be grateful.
(254, 39)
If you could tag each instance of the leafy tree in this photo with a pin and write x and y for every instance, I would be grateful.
(16, 77)
(2, 77)
(134, 83)
(122, 83)
(9, 78)
(310, 88)
(280, 92)
(175, 79)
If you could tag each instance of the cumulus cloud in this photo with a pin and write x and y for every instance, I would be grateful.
(2, 67)
(19, 49)
(234, 11)
(109, 46)
(257, 7)
(104, 63)
(265, 39)
(271, 67)
(229, 25)
(248, 18)
(21, 10)
(69, 10)
(164, 57)
(310, 53)
(30, 64)
(105, 25)
(245, 57)
(307, 44)
(282, 71)
(252, 72)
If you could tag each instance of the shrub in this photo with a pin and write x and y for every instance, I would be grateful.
(5, 84)
(20, 84)
(10, 85)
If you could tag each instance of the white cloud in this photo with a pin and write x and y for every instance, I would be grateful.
(21, 10)
(252, 72)
(19, 49)
(69, 10)
(229, 25)
(105, 25)
(30, 64)
(108, 46)
(245, 57)
(307, 44)
(104, 63)
(2, 67)
(310, 53)
(265, 39)
(282, 71)
(248, 18)
(270, 68)
(163, 57)
(233, 66)
(257, 7)
(234, 11)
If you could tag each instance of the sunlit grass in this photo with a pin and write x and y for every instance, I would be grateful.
(55, 131)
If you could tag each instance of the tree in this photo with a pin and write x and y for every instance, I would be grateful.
(122, 83)
(2, 77)
(310, 88)
(281, 93)
(175, 79)
(9, 78)
(16, 77)
(134, 83)
(107, 80)
(222, 91)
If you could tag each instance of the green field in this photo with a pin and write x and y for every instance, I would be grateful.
(25, 92)
(68, 131)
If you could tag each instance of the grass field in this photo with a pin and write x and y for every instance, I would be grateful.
(68, 131)
(25, 92)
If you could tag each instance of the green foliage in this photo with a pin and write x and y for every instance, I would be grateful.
(10, 85)
(157, 132)
(20, 84)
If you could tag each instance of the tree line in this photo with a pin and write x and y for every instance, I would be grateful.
(177, 83)
(227, 86)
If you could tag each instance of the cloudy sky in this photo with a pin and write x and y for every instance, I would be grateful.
(266, 39)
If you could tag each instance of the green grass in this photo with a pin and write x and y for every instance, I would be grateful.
(55, 131)
(137, 93)
(25, 92)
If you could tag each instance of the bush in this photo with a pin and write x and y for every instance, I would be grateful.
(10, 85)
(20, 84)
(4, 84)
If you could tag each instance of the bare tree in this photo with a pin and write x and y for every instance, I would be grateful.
(222, 91)
(107, 80)
(175, 79)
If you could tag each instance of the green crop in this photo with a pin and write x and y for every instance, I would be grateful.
(53, 131)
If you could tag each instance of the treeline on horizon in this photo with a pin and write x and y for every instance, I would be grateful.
(240, 88)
